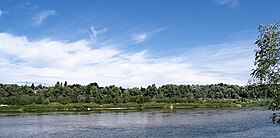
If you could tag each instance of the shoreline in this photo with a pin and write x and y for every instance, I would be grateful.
(55, 107)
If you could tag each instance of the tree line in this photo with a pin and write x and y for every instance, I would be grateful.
(13, 94)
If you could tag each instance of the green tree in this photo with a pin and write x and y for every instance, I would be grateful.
(32, 86)
(267, 55)
(267, 62)
(151, 91)
(267, 58)
(65, 84)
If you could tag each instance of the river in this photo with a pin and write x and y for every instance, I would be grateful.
(248, 122)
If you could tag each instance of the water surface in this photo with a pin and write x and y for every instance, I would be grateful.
(250, 122)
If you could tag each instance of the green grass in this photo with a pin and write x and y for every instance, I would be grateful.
(131, 106)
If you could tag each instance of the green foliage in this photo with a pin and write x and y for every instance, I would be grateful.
(267, 56)
(267, 62)
(266, 75)
(92, 93)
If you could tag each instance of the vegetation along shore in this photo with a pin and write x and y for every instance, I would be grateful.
(76, 97)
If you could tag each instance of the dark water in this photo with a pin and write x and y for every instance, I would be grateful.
(152, 123)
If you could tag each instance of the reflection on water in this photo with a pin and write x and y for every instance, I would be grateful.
(151, 123)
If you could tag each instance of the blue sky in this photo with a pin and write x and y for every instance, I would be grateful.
(131, 43)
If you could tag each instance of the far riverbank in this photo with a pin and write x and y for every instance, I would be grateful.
(125, 106)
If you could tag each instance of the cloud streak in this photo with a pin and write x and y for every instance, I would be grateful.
(1, 13)
(42, 16)
(94, 32)
(230, 3)
(228, 59)
(139, 38)
(142, 37)
(48, 61)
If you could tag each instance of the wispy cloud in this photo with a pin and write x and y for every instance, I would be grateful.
(42, 16)
(230, 3)
(48, 61)
(94, 32)
(233, 59)
(1, 13)
(142, 37)
(139, 38)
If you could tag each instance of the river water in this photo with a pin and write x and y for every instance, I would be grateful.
(249, 122)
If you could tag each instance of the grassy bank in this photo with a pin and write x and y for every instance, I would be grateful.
(127, 106)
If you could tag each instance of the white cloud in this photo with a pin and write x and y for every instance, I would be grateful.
(139, 38)
(42, 16)
(48, 61)
(142, 37)
(233, 60)
(94, 33)
(3, 12)
(229, 3)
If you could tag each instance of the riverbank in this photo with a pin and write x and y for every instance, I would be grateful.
(125, 106)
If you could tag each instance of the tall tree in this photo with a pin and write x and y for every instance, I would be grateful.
(267, 62)
(65, 84)
(267, 56)
(32, 86)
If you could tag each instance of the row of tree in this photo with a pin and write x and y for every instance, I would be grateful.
(92, 93)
